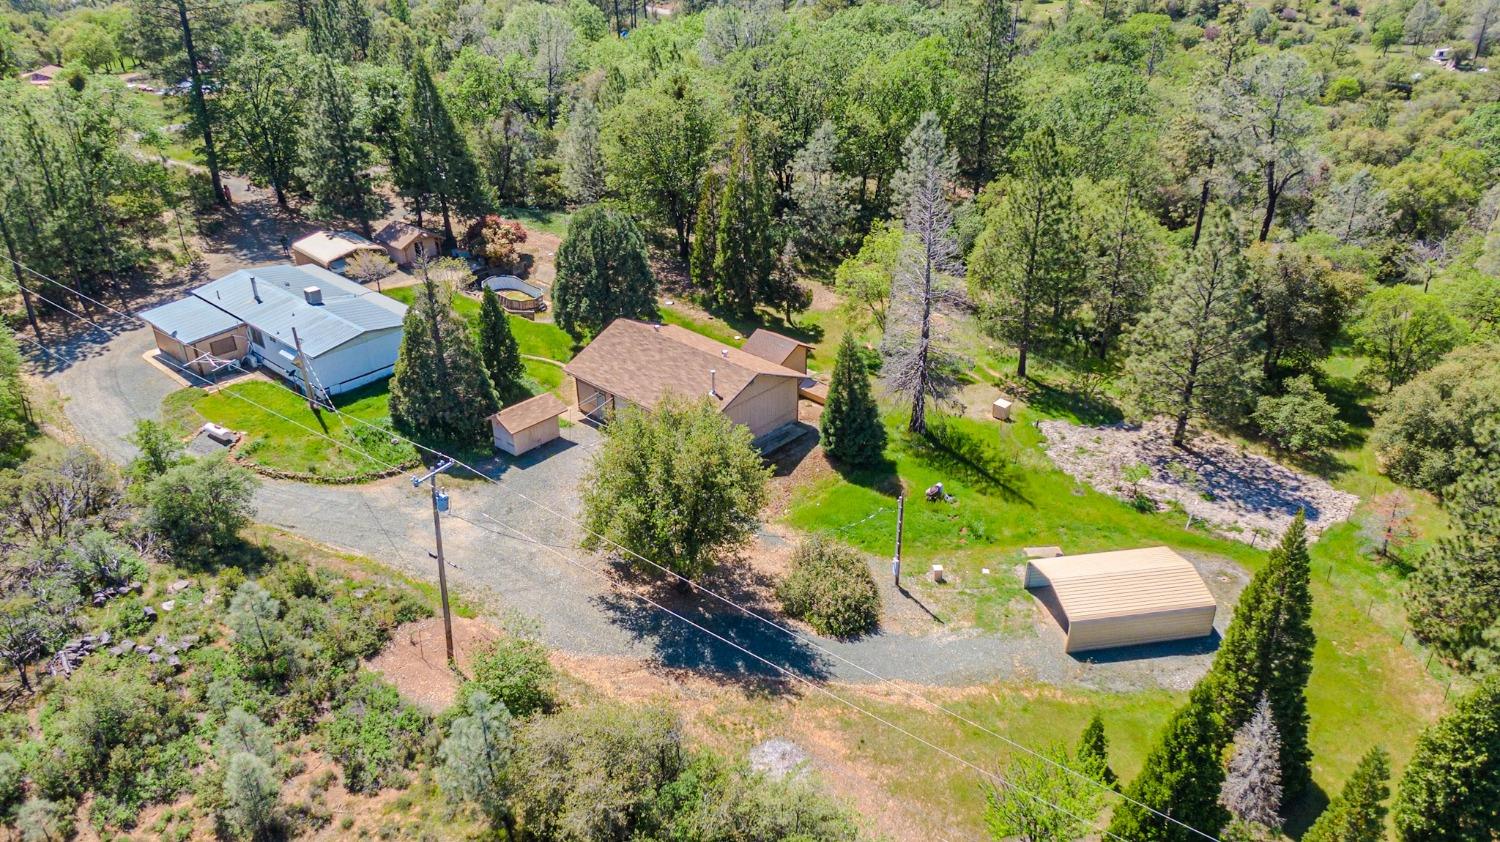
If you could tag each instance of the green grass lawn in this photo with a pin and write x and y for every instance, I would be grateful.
(551, 221)
(290, 443)
(823, 329)
(1009, 495)
(538, 339)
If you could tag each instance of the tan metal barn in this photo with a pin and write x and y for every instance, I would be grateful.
(1123, 598)
(528, 424)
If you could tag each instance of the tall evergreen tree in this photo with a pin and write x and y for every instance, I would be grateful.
(1024, 269)
(176, 38)
(437, 150)
(602, 273)
(782, 290)
(706, 231)
(985, 54)
(1451, 788)
(1192, 354)
(850, 425)
(1181, 777)
(440, 390)
(335, 156)
(497, 346)
(1093, 753)
(582, 158)
(1125, 261)
(1358, 813)
(1268, 649)
(743, 247)
(917, 365)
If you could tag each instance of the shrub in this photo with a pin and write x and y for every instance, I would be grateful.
(1343, 89)
(1300, 421)
(831, 587)
(593, 772)
(250, 794)
(41, 820)
(12, 787)
(1433, 428)
(374, 735)
(515, 672)
(198, 507)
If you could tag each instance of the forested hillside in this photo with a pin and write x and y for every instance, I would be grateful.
(1264, 230)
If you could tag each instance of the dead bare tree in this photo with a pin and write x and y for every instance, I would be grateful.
(916, 366)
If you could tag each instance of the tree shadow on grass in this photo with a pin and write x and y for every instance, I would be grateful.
(1089, 410)
(775, 322)
(949, 447)
(1301, 814)
(878, 476)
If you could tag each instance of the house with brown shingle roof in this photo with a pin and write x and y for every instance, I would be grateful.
(633, 363)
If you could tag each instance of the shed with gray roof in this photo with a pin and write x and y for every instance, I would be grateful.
(348, 334)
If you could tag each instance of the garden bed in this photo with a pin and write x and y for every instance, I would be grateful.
(1242, 495)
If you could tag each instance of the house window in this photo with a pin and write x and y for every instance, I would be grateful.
(222, 347)
(257, 337)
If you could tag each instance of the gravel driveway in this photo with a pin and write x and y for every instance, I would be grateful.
(109, 386)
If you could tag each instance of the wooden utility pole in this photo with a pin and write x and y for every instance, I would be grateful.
(307, 387)
(440, 505)
(900, 523)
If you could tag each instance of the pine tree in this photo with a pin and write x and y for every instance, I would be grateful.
(440, 390)
(1093, 753)
(476, 759)
(1358, 813)
(705, 231)
(1025, 270)
(438, 151)
(1252, 784)
(1192, 354)
(781, 290)
(582, 159)
(850, 426)
(1267, 650)
(1451, 788)
(497, 345)
(334, 154)
(1181, 777)
(602, 273)
(917, 365)
(250, 794)
(743, 249)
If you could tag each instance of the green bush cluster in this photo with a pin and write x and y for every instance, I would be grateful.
(515, 671)
(375, 736)
(830, 587)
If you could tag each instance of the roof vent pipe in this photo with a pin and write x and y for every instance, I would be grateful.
(254, 290)
(724, 353)
(713, 383)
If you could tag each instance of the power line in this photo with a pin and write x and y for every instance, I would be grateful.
(727, 601)
(792, 674)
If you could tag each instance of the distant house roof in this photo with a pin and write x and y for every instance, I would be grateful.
(190, 320)
(399, 235)
(45, 73)
(643, 363)
(530, 412)
(327, 246)
(772, 346)
(272, 299)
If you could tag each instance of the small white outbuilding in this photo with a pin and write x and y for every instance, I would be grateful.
(1123, 598)
(528, 424)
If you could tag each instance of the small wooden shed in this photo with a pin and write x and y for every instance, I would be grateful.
(528, 424)
(1123, 598)
(406, 243)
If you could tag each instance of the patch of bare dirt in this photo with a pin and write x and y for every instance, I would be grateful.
(1242, 495)
(416, 661)
(539, 257)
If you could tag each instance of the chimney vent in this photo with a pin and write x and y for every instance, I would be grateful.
(713, 382)
(254, 290)
(314, 295)
(724, 352)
